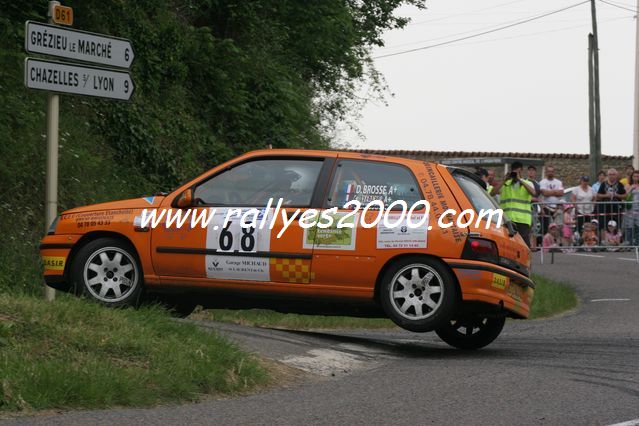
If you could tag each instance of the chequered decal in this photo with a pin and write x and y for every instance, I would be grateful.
(291, 270)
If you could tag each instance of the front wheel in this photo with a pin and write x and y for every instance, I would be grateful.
(473, 332)
(108, 271)
(418, 294)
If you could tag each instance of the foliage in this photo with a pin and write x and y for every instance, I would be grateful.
(213, 79)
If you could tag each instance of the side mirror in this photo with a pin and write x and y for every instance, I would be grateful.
(185, 199)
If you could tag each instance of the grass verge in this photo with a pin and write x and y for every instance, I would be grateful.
(75, 354)
(267, 318)
(551, 298)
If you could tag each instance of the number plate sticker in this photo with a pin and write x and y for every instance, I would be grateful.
(233, 238)
(500, 281)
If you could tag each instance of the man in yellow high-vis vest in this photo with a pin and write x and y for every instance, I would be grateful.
(515, 201)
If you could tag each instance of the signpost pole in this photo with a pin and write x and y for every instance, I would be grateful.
(51, 201)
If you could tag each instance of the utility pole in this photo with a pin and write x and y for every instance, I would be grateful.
(591, 108)
(51, 197)
(635, 150)
(595, 116)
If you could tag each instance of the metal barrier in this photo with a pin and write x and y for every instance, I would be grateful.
(585, 227)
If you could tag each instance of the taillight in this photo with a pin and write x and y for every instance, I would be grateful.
(481, 249)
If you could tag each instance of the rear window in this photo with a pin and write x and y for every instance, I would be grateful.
(479, 198)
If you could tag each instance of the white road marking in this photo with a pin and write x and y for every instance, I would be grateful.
(610, 300)
(584, 254)
(634, 422)
(627, 258)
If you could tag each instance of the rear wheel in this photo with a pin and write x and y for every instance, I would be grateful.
(473, 332)
(107, 270)
(418, 294)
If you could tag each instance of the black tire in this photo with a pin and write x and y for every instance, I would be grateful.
(431, 293)
(472, 332)
(108, 271)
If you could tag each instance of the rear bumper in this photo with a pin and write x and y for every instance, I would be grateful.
(493, 284)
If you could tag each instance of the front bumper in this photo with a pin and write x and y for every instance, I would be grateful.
(495, 285)
(54, 251)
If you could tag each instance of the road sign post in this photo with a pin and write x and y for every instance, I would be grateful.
(69, 43)
(78, 79)
(51, 193)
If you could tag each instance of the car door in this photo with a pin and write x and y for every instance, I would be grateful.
(269, 192)
(347, 256)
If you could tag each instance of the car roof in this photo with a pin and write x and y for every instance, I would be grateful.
(330, 153)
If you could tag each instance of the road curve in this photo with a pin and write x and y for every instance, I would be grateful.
(579, 368)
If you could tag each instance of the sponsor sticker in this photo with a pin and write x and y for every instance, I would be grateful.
(500, 281)
(402, 235)
(237, 268)
(54, 263)
(333, 238)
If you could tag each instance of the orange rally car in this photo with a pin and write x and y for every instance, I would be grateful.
(459, 282)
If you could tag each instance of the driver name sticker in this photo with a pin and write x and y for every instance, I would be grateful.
(402, 235)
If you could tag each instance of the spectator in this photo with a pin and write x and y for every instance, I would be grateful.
(516, 193)
(581, 194)
(568, 225)
(612, 235)
(601, 177)
(551, 190)
(551, 239)
(532, 177)
(611, 192)
(483, 175)
(493, 182)
(631, 220)
(589, 234)
(625, 181)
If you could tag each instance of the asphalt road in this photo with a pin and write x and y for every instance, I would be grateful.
(580, 368)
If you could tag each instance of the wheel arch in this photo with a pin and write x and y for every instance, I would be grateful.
(392, 260)
(94, 235)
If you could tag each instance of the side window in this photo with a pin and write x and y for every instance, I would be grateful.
(252, 184)
(366, 181)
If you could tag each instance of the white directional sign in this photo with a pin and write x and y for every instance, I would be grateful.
(79, 45)
(77, 79)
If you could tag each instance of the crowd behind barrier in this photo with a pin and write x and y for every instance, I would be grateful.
(566, 227)
(603, 216)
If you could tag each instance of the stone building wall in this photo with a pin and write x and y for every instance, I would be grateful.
(568, 167)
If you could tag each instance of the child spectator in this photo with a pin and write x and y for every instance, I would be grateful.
(589, 235)
(551, 239)
(612, 235)
(568, 224)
